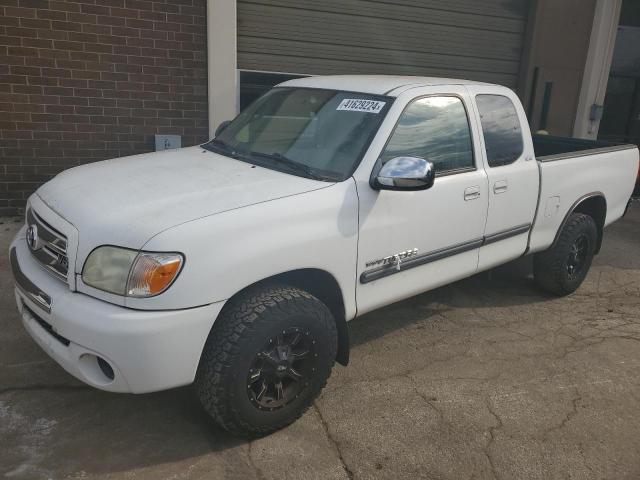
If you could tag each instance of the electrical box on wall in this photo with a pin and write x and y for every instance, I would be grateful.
(595, 115)
(168, 142)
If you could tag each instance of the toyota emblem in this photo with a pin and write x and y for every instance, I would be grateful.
(32, 237)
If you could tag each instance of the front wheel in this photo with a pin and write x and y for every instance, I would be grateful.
(562, 268)
(267, 358)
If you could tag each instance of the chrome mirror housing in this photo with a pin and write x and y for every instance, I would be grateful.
(405, 173)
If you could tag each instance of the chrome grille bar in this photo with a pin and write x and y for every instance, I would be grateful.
(47, 233)
(49, 246)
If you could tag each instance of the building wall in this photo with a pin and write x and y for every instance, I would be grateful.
(559, 48)
(446, 38)
(82, 81)
(621, 115)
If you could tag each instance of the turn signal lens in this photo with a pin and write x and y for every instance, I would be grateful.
(153, 273)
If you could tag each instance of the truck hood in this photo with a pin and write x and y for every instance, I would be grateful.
(128, 200)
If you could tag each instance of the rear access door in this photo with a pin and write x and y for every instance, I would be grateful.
(512, 171)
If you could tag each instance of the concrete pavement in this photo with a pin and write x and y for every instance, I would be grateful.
(487, 378)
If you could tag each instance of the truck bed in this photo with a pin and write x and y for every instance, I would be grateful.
(587, 168)
(549, 148)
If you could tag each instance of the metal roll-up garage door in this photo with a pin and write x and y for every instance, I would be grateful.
(480, 40)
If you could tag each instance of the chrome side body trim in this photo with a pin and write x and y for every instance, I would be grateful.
(416, 261)
(387, 270)
(504, 234)
(27, 287)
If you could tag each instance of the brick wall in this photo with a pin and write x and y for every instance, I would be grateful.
(82, 81)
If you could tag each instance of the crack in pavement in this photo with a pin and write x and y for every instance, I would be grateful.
(492, 437)
(410, 371)
(258, 471)
(23, 364)
(572, 413)
(424, 397)
(334, 442)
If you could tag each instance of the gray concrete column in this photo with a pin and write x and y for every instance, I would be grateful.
(597, 67)
(221, 62)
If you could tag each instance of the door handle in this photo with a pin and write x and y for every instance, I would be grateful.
(500, 186)
(471, 193)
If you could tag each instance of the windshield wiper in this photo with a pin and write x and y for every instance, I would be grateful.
(221, 146)
(292, 165)
(275, 158)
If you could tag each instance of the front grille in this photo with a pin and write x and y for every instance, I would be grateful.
(47, 245)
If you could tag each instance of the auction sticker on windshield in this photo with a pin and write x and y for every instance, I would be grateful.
(361, 105)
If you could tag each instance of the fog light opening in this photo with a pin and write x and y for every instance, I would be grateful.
(96, 370)
(105, 368)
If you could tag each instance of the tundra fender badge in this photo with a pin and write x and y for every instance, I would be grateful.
(393, 259)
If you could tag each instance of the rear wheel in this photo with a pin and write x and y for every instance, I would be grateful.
(267, 358)
(562, 268)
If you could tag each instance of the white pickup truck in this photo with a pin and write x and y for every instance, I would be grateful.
(237, 264)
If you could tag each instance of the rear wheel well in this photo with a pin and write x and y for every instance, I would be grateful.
(324, 287)
(596, 208)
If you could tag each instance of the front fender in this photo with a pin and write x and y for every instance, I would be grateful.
(229, 251)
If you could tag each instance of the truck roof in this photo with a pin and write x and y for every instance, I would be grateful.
(374, 84)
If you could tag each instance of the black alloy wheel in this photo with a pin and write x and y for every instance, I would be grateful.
(561, 269)
(578, 253)
(281, 370)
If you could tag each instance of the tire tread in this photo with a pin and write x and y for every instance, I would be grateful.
(236, 322)
(548, 266)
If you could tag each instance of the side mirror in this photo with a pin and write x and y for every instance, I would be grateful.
(221, 127)
(405, 173)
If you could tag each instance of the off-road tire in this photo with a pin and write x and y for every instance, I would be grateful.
(550, 268)
(244, 325)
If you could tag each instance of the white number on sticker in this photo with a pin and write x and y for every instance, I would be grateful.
(361, 105)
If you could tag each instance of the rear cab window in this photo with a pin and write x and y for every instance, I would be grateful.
(501, 129)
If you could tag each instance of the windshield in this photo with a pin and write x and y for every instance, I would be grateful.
(309, 132)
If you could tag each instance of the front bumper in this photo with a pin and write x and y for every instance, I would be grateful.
(147, 350)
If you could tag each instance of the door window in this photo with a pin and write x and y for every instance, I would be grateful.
(436, 129)
(501, 129)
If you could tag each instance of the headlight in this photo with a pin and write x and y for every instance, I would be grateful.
(107, 268)
(131, 273)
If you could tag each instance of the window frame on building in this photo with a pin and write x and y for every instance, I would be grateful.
(278, 77)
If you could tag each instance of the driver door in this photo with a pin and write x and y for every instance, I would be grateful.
(413, 241)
